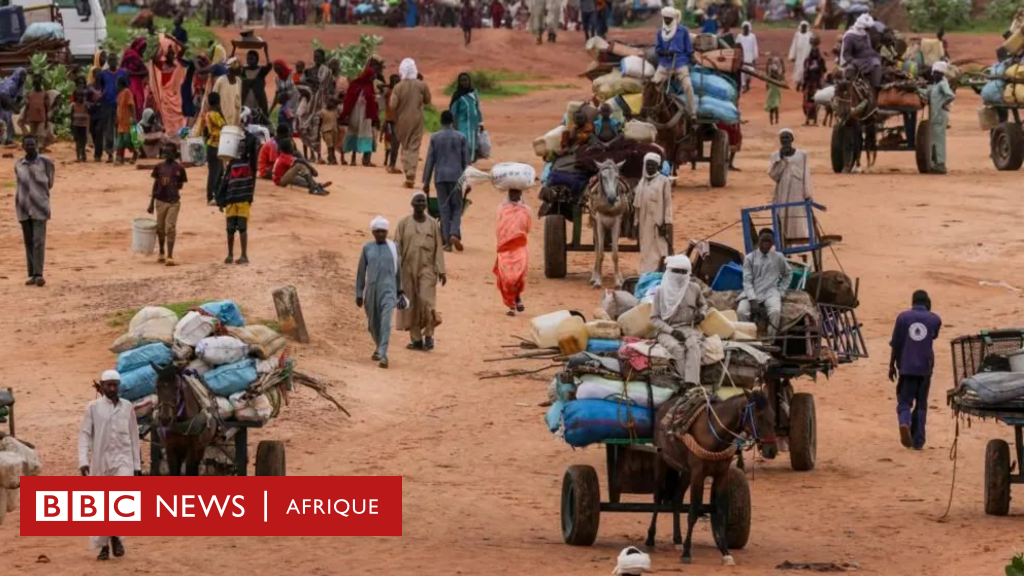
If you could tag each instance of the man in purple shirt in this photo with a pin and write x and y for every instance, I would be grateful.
(912, 360)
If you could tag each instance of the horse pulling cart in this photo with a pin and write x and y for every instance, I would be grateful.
(228, 458)
(630, 468)
(982, 353)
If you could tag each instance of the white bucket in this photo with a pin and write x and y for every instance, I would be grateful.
(231, 138)
(143, 236)
(1016, 361)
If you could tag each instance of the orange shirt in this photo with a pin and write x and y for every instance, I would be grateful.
(125, 111)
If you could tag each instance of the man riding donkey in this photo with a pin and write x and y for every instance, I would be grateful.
(675, 52)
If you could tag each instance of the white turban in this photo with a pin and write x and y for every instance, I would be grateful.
(110, 376)
(651, 157)
(787, 131)
(379, 223)
(668, 31)
(940, 67)
(415, 194)
(407, 69)
(674, 285)
(747, 25)
(864, 22)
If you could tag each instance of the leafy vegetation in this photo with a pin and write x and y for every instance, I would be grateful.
(431, 119)
(120, 34)
(55, 78)
(1002, 11)
(500, 84)
(935, 14)
(1016, 567)
(353, 57)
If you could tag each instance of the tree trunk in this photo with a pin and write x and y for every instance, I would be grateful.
(289, 314)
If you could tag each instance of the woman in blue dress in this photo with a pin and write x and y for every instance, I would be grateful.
(465, 107)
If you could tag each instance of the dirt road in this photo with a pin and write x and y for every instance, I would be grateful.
(481, 474)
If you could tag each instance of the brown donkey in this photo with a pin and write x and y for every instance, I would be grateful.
(707, 448)
(185, 428)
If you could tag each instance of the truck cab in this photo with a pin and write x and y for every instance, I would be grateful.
(85, 24)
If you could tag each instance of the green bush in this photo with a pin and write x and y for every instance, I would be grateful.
(353, 58)
(930, 15)
(120, 35)
(1002, 11)
(55, 78)
(1016, 567)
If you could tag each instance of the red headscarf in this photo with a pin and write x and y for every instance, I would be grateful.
(287, 71)
(363, 84)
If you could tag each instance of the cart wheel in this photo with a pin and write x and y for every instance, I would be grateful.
(581, 505)
(803, 433)
(1007, 147)
(997, 478)
(554, 246)
(923, 148)
(737, 512)
(270, 458)
(719, 159)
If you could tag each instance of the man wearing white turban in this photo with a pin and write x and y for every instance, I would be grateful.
(675, 52)
(678, 309)
(108, 445)
(939, 96)
(408, 100)
(379, 287)
(790, 169)
(421, 251)
(799, 50)
(748, 42)
(653, 215)
(858, 53)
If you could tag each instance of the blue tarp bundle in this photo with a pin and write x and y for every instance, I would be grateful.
(138, 383)
(648, 281)
(230, 378)
(157, 353)
(706, 82)
(601, 346)
(226, 312)
(589, 421)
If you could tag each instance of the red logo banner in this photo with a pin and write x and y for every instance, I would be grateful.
(211, 505)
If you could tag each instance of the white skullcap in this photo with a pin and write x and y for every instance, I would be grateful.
(407, 69)
(415, 194)
(678, 262)
(652, 156)
(379, 223)
(787, 131)
(940, 67)
(110, 376)
(746, 24)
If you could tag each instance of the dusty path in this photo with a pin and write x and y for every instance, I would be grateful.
(481, 475)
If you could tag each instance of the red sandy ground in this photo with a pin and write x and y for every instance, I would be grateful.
(481, 475)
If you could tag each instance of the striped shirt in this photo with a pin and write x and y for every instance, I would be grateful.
(34, 179)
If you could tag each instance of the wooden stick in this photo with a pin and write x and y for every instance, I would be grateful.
(512, 373)
(759, 76)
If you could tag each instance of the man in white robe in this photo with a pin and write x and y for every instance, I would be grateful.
(748, 42)
(108, 445)
(653, 215)
(799, 50)
(677, 311)
(791, 170)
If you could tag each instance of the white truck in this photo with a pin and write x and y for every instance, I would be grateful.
(85, 24)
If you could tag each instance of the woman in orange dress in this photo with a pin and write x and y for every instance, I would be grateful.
(514, 223)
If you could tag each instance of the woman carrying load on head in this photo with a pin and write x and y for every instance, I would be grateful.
(12, 89)
(285, 94)
(465, 107)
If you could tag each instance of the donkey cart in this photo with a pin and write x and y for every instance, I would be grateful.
(988, 352)
(631, 470)
(850, 136)
(1006, 140)
(226, 458)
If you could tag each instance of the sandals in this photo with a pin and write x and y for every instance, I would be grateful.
(383, 363)
(415, 345)
(428, 343)
(104, 553)
(519, 306)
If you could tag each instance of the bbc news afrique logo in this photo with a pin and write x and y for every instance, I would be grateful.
(89, 506)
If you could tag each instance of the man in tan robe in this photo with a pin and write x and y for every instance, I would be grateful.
(653, 214)
(791, 170)
(408, 100)
(420, 247)
(676, 314)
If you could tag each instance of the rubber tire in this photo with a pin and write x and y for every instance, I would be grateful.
(803, 432)
(923, 148)
(554, 246)
(270, 458)
(719, 159)
(581, 505)
(837, 151)
(738, 509)
(1015, 147)
(997, 478)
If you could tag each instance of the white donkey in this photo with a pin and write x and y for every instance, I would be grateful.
(608, 199)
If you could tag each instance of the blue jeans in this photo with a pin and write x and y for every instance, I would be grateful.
(589, 25)
(912, 405)
(449, 203)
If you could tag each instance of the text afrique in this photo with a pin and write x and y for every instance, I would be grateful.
(341, 507)
(186, 507)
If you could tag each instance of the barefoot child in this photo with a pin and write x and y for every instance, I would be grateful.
(125, 119)
(329, 129)
(235, 198)
(168, 179)
(80, 116)
(776, 71)
(37, 111)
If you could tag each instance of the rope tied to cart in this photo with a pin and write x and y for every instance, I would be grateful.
(952, 484)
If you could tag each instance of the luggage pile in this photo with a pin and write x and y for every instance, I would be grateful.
(242, 369)
(16, 460)
(616, 373)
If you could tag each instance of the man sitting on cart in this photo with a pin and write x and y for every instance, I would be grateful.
(675, 51)
(607, 130)
(858, 54)
(766, 276)
(678, 309)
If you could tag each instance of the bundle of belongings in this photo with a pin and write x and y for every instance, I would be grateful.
(237, 372)
(17, 459)
(1006, 85)
(998, 384)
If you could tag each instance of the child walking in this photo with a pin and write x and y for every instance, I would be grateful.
(388, 133)
(80, 117)
(235, 198)
(125, 119)
(211, 127)
(329, 129)
(168, 178)
(38, 111)
(773, 99)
